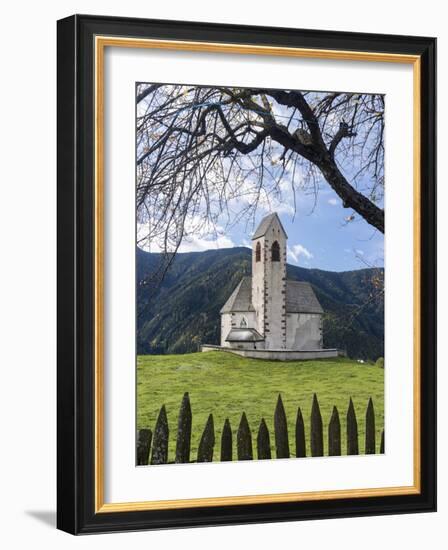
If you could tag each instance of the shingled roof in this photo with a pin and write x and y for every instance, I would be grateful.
(264, 226)
(300, 298)
(241, 297)
(244, 335)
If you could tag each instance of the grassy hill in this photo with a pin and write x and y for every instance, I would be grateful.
(226, 385)
(182, 312)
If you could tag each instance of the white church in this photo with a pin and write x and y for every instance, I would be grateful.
(268, 316)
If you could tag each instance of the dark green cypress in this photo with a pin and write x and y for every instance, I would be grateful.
(370, 429)
(207, 443)
(244, 440)
(382, 443)
(263, 442)
(160, 442)
(300, 435)
(184, 431)
(317, 439)
(334, 434)
(352, 430)
(281, 430)
(226, 442)
(144, 437)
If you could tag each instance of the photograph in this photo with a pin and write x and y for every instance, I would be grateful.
(259, 227)
(241, 336)
(230, 301)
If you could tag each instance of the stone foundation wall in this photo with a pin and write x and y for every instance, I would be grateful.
(277, 355)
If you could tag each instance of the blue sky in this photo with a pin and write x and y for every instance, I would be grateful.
(322, 238)
(317, 238)
(321, 233)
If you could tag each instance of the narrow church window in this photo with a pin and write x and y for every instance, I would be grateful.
(243, 323)
(275, 252)
(258, 252)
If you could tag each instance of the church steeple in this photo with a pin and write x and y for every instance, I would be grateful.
(265, 224)
(269, 281)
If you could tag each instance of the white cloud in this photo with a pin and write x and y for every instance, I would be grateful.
(298, 250)
(333, 202)
(204, 240)
(198, 244)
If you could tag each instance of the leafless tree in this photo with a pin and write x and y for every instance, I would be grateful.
(214, 153)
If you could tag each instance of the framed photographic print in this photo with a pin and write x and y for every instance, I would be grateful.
(246, 274)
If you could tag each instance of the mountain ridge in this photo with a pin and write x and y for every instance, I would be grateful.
(181, 312)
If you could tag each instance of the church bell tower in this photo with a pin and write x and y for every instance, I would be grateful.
(269, 281)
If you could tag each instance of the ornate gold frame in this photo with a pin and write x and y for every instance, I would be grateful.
(101, 42)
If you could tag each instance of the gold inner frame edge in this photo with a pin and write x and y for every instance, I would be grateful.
(101, 42)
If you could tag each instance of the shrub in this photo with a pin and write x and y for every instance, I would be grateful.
(380, 362)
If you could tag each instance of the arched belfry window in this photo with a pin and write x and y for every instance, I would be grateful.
(275, 252)
(258, 252)
(243, 323)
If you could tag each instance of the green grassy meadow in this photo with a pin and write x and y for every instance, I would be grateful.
(226, 385)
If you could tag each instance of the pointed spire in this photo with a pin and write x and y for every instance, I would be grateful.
(265, 224)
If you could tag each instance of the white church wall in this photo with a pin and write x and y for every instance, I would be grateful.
(275, 289)
(247, 316)
(226, 325)
(303, 331)
(258, 286)
(234, 320)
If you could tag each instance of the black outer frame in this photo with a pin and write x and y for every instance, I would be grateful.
(75, 310)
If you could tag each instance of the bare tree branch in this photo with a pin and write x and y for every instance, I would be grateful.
(208, 153)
